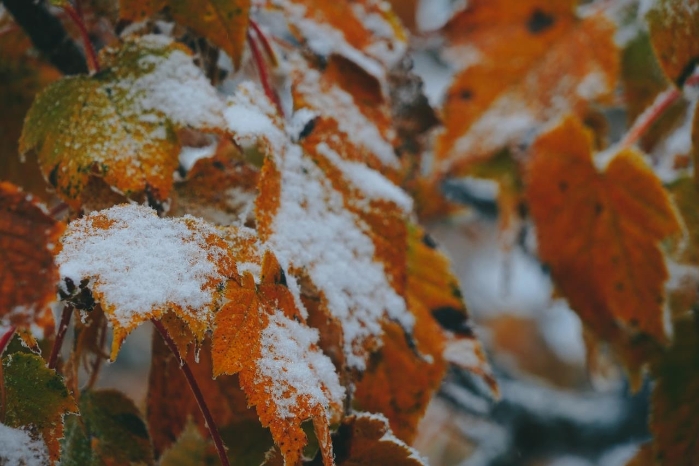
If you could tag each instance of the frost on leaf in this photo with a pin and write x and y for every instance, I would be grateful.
(365, 438)
(35, 399)
(674, 27)
(223, 22)
(139, 267)
(18, 448)
(28, 275)
(560, 64)
(120, 123)
(600, 232)
(260, 335)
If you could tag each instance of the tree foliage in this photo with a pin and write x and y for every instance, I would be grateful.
(249, 177)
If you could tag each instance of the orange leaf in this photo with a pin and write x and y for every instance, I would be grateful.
(260, 335)
(139, 266)
(600, 232)
(560, 63)
(28, 275)
(365, 439)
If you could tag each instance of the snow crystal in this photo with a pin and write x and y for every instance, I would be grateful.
(314, 230)
(302, 374)
(141, 262)
(17, 448)
(249, 116)
(592, 86)
(190, 155)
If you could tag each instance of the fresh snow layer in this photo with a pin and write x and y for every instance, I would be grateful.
(17, 448)
(303, 375)
(141, 263)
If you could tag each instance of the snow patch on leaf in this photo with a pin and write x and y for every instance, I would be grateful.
(18, 448)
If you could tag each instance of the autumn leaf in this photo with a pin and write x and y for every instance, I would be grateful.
(673, 422)
(560, 64)
(685, 194)
(120, 124)
(36, 398)
(28, 276)
(223, 22)
(259, 334)
(364, 439)
(139, 267)
(190, 448)
(674, 27)
(600, 231)
(109, 431)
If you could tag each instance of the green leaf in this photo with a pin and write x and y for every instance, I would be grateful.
(120, 123)
(110, 430)
(37, 397)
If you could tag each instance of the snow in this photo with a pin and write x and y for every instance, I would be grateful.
(142, 263)
(17, 448)
(168, 82)
(303, 375)
(315, 232)
(190, 155)
(339, 105)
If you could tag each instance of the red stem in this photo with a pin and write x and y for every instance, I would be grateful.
(655, 111)
(262, 71)
(213, 429)
(265, 42)
(92, 61)
(60, 335)
(5, 339)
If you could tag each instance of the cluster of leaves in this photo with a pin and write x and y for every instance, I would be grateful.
(280, 258)
(301, 315)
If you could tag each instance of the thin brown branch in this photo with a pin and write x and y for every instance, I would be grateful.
(196, 391)
(60, 335)
(76, 17)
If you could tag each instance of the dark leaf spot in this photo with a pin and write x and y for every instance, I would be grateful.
(428, 241)
(466, 94)
(453, 320)
(539, 21)
(563, 186)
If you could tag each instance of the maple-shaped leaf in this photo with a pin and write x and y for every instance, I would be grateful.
(674, 29)
(365, 439)
(120, 123)
(560, 64)
(223, 22)
(108, 431)
(364, 32)
(259, 334)
(599, 231)
(673, 422)
(315, 219)
(36, 399)
(28, 275)
(139, 266)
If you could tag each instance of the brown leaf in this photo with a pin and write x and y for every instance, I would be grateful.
(28, 276)
(365, 439)
(600, 231)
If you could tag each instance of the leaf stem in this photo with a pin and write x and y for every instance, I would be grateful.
(646, 119)
(264, 75)
(196, 391)
(5, 338)
(265, 41)
(60, 335)
(76, 16)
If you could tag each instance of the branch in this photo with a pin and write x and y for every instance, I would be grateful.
(47, 35)
(60, 335)
(196, 391)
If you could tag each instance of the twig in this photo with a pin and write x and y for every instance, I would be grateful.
(262, 71)
(646, 119)
(60, 335)
(76, 16)
(265, 42)
(213, 429)
(6, 338)
(48, 35)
